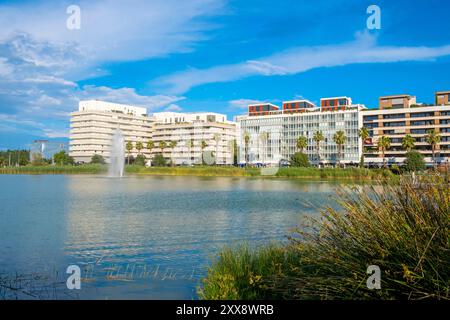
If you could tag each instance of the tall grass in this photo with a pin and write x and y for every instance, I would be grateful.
(402, 228)
(49, 169)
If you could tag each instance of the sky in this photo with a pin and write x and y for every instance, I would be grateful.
(210, 55)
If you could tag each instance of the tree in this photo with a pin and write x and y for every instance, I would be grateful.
(339, 138)
(318, 137)
(150, 146)
(129, 147)
(433, 139)
(96, 158)
(302, 143)
(363, 134)
(140, 160)
(383, 144)
(62, 158)
(162, 145)
(246, 142)
(408, 143)
(159, 161)
(414, 161)
(299, 159)
(139, 147)
(203, 145)
(172, 145)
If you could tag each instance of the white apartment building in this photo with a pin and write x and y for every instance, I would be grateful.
(93, 125)
(203, 136)
(272, 133)
(400, 115)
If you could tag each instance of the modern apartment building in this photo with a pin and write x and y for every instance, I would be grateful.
(203, 136)
(93, 125)
(268, 136)
(400, 115)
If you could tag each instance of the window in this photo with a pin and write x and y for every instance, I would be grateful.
(394, 116)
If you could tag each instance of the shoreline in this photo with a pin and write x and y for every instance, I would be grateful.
(323, 174)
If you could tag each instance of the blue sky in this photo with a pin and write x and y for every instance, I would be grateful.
(210, 55)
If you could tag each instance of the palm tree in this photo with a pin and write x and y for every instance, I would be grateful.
(318, 137)
(139, 147)
(162, 146)
(150, 146)
(217, 138)
(363, 134)
(302, 143)
(129, 147)
(172, 145)
(383, 144)
(339, 138)
(264, 136)
(433, 139)
(408, 143)
(203, 145)
(246, 141)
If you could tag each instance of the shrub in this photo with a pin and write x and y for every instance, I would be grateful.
(401, 228)
(414, 161)
(159, 161)
(299, 159)
(140, 160)
(97, 159)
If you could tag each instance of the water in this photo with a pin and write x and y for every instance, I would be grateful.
(117, 155)
(137, 237)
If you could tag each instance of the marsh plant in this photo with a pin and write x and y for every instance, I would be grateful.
(403, 228)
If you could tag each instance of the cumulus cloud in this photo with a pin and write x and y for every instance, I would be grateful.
(364, 49)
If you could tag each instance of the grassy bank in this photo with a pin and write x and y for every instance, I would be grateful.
(88, 168)
(402, 229)
(211, 171)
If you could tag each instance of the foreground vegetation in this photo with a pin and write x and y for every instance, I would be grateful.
(403, 229)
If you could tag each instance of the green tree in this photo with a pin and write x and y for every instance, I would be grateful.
(363, 134)
(302, 143)
(140, 160)
(433, 139)
(62, 158)
(299, 159)
(414, 161)
(159, 161)
(318, 137)
(139, 147)
(383, 144)
(339, 138)
(129, 147)
(162, 145)
(96, 158)
(203, 145)
(150, 146)
(408, 142)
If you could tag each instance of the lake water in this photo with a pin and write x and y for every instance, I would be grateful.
(137, 237)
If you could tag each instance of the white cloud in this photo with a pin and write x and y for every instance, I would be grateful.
(112, 30)
(242, 103)
(363, 49)
(173, 108)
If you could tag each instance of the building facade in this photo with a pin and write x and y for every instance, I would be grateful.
(401, 115)
(93, 125)
(193, 138)
(269, 137)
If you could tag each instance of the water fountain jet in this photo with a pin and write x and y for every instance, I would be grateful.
(117, 155)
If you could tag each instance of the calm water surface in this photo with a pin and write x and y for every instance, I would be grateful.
(137, 237)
